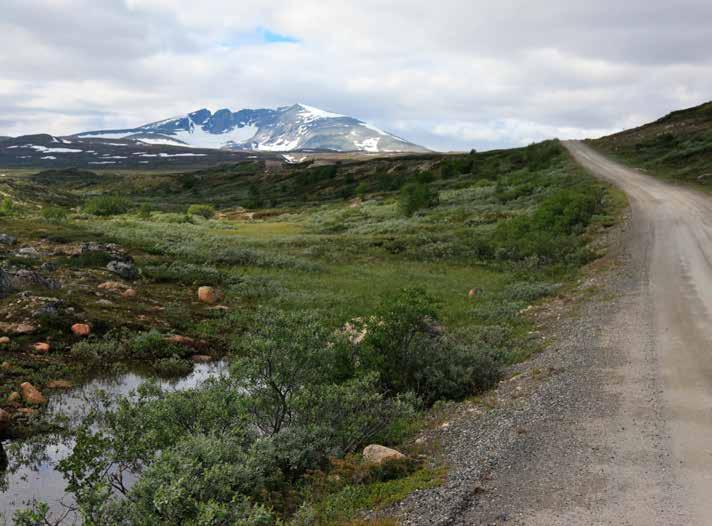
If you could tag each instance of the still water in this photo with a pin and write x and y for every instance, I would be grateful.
(41, 481)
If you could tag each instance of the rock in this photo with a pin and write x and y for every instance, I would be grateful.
(209, 295)
(376, 454)
(4, 340)
(41, 347)
(17, 328)
(472, 293)
(114, 286)
(81, 329)
(185, 341)
(31, 394)
(201, 358)
(14, 397)
(59, 384)
(129, 293)
(28, 252)
(27, 279)
(50, 308)
(125, 269)
(5, 282)
(105, 303)
(6, 239)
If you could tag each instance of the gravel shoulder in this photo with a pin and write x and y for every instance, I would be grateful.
(593, 430)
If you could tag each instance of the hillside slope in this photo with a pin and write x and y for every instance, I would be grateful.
(677, 146)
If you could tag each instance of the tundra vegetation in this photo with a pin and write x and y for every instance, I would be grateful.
(677, 147)
(358, 296)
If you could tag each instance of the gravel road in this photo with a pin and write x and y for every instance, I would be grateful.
(613, 423)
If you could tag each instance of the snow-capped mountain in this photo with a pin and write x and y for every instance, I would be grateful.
(285, 129)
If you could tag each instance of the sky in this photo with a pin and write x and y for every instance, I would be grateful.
(450, 75)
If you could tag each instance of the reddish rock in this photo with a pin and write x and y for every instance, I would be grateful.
(41, 347)
(129, 293)
(209, 295)
(114, 286)
(4, 340)
(31, 394)
(14, 397)
(59, 384)
(81, 329)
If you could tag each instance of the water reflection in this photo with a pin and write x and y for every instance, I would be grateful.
(40, 481)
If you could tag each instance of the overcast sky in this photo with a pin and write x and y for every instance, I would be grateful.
(448, 74)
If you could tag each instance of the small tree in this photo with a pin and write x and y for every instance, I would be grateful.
(416, 196)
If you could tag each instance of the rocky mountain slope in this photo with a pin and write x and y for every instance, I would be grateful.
(290, 128)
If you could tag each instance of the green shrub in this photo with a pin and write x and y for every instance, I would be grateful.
(107, 205)
(206, 211)
(404, 345)
(7, 207)
(144, 211)
(173, 366)
(54, 214)
(95, 350)
(416, 196)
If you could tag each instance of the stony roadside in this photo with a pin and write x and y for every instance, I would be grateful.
(521, 455)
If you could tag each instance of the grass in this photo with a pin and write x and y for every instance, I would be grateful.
(311, 245)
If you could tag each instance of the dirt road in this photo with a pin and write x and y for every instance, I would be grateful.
(672, 235)
(620, 432)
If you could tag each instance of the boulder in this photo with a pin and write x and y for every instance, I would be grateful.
(125, 269)
(28, 252)
(81, 329)
(31, 394)
(114, 286)
(27, 279)
(4, 340)
(6, 286)
(129, 293)
(14, 397)
(6, 239)
(41, 347)
(59, 384)
(209, 295)
(375, 454)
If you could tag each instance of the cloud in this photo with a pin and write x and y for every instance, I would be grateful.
(452, 74)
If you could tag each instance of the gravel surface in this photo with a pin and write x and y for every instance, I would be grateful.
(581, 433)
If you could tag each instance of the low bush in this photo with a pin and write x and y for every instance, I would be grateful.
(107, 205)
(54, 214)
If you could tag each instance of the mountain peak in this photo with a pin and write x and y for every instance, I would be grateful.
(288, 128)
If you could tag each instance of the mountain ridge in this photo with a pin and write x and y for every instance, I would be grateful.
(286, 129)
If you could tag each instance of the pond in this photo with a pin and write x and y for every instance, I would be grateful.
(41, 481)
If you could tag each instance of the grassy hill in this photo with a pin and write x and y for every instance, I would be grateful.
(676, 147)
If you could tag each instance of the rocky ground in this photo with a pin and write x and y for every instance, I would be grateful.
(56, 292)
(532, 451)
